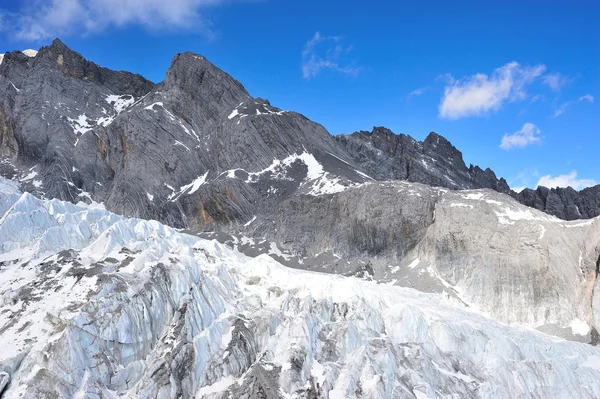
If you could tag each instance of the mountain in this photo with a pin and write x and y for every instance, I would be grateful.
(435, 161)
(99, 305)
(197, 151)
(566, 203)
(96, 303)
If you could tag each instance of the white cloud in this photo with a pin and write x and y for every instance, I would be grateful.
(569, 180)
(479, 94)
(555, 81)
(528, 134)
(317, 57)
(40, 20)
(536, 98)
(560, 110)
(418, 92)
(563, 107)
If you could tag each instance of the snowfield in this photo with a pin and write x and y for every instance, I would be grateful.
(94, 305)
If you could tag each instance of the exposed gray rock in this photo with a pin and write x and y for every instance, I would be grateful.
(185, 151)
(565, 203)
(435, 161)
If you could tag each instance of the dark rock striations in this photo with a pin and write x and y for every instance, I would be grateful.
(435, 161)
(197, 150)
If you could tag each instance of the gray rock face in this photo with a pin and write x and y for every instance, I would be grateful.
(435, 161)
(186, 151)
(565, 203)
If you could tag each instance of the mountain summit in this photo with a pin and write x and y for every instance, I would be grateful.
(89, 133)
(101, 303)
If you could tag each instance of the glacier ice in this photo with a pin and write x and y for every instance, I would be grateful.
(97, 305)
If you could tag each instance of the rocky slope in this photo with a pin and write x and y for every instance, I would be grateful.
(197, 151)
(97, 305)
(435, 161)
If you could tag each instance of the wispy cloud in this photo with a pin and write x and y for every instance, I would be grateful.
(568, 180)
(480, 94)
(418, 92)
(536, 98)
(529, 134)
(42, 19)
(327, 52)
(555, 81)
(563, 107)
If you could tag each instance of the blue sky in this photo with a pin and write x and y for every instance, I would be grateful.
(515, 85)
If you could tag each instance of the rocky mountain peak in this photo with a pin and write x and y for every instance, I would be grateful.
(194, 75)
(59, 56)
(438, 144)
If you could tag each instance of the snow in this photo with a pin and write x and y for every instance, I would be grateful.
(580, 327)
(1, 58)
(249, 222)
(150, 196)
(120, 103)
(30, 53)
(80, 125)
(15, 87)
(420, 395)
(135, 293)
(233, 114)
(315, 169)
(321, 182)
(177, 142)
(592, 362)
(579, 224)
(192, 187)
(414, 263)
(509, 215)
(190, 132)
(30, 175)
(474, 196)
(542, 231)
(461, 205)
(151, 106)
(217, 387)
(274, 250)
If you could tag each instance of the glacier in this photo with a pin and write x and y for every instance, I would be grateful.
(96, 305)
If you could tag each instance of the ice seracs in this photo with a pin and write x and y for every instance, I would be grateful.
(96, 304)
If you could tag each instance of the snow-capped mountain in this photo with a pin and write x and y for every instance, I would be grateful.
(183, 151)
(368, 265)
(98, 305)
